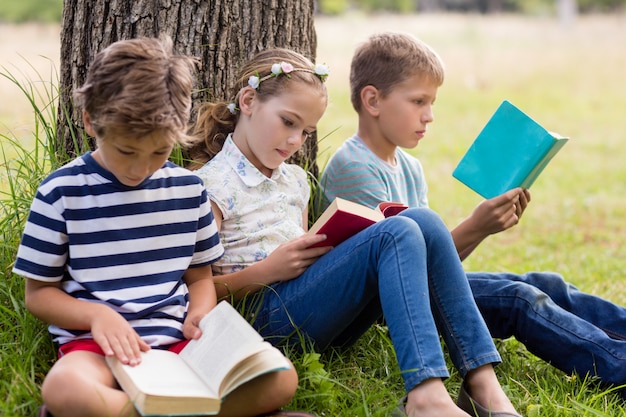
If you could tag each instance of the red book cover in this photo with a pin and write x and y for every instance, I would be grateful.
(344, 218)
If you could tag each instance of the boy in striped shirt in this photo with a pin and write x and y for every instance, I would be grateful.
(118, 246)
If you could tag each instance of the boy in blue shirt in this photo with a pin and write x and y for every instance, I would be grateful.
(394, 80)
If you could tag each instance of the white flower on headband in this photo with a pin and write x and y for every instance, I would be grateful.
(322, 71)
(232, 108)
(254, 81)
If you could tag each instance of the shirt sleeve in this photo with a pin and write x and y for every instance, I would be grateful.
(43, 249)
(208, 246)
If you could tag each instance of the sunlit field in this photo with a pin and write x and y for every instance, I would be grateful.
(30, 53)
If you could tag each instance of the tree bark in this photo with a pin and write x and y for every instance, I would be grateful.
(222, 33)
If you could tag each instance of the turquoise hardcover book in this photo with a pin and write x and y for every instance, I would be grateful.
(510, 151)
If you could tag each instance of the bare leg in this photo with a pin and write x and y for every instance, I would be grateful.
(261, 395)
(81, 384)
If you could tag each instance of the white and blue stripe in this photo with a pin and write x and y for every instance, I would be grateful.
(127, 247)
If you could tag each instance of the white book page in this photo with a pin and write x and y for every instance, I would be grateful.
(164, 373)
(226, 339)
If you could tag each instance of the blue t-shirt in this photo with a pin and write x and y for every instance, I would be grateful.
(126, 247)
(355, 173)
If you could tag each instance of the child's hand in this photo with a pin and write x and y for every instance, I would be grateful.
(191, 326)
(292, 258)
(501, 212)
(524, 199)
(116, 337)
(202, 299)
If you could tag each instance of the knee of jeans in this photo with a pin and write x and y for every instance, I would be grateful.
(550, 282)
(527, 295)
(400, 232)
(426, 218)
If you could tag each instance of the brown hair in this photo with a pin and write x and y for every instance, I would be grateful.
(215, 121)
(386, 59)
(139, 86)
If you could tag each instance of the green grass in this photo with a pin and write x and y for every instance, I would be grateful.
(569, 79)
(26, 349)
(31, 10)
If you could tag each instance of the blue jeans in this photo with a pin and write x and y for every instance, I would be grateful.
(404, 268)
(574, 331)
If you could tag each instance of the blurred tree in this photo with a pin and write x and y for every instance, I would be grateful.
(602, 5)
(222, 34)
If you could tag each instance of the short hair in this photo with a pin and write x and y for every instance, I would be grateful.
(387, 59)
(137, 87)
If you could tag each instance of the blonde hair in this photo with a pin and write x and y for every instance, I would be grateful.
(137, 87)
(387, 59)
(215, 120)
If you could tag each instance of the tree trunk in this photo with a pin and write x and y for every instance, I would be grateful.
(222, 33)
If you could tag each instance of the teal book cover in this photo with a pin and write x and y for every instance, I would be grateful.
(510, 151)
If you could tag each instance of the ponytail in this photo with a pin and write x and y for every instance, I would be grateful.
(214, 123)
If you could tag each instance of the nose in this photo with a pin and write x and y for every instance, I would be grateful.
(296, 139)
(428, 116)
(141, 168)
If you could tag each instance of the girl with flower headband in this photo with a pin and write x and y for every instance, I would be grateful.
(404, 268)
(216, 121)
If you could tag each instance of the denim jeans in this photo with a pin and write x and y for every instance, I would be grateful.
(404, 268)
(572, 330)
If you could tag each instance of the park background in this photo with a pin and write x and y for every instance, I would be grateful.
(568, 74)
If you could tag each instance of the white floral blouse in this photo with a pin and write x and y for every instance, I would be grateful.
(259, 213)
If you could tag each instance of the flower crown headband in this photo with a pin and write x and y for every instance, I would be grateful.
(321, 70)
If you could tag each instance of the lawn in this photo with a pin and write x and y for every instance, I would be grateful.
(569, 78)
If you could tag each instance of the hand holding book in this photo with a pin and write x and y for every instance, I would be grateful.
(228, 354)
(343, 219)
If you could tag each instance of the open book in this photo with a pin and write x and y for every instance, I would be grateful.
(510, 151)
(343, 219)
(229, 353)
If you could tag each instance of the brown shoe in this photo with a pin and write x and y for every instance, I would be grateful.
(400, 410)
(43, 412)
(470, 406)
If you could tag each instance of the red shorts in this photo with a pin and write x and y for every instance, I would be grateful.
(91, 346)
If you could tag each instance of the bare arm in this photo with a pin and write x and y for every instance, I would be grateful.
(288, 261)
(48, 302)
(489, 217)
(202, 298)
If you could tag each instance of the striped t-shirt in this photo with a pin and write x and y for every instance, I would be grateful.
(355, 173)
(126, 247)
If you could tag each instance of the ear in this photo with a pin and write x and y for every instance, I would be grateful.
(88, 125)
(247, 98)
(370, 97)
